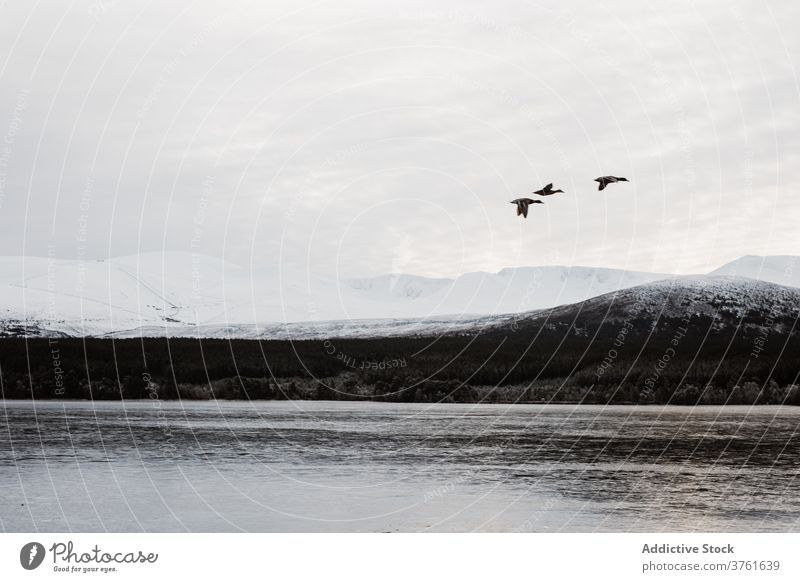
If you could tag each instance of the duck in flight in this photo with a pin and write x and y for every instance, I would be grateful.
(547, 191)
(606, 180)
(522, 205)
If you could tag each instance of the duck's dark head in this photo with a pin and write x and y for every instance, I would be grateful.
(557, 191)
(622, 179)
(537, 202)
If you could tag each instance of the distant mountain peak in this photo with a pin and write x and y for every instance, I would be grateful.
(780, 269)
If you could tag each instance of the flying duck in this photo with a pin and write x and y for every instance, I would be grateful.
(606, 180)
(522, 205)
(547, 191)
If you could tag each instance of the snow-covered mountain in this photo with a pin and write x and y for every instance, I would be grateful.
(732, 299)
(725, 302)
(195, 295)
(780, 269)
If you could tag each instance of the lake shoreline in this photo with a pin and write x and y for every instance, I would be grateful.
(378, 401)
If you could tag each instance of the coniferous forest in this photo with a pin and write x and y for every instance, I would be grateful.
(678, 361)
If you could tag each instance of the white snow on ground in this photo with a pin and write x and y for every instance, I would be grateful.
(185, 294)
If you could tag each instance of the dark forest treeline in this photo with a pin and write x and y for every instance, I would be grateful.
(559, 362)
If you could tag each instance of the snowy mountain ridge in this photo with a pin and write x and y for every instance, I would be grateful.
(195, 295)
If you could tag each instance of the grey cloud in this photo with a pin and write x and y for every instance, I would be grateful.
(365, 137)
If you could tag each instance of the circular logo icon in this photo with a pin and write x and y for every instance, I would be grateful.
(31, 555)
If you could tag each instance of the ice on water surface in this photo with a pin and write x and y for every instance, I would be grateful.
(331, 466)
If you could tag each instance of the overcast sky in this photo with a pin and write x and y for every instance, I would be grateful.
(363, 138)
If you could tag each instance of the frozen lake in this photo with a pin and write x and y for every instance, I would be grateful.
(347, 466)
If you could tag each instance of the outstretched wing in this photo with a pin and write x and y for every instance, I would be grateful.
(519, 208)
(524, 209)
(602, 184)
(548, 187)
